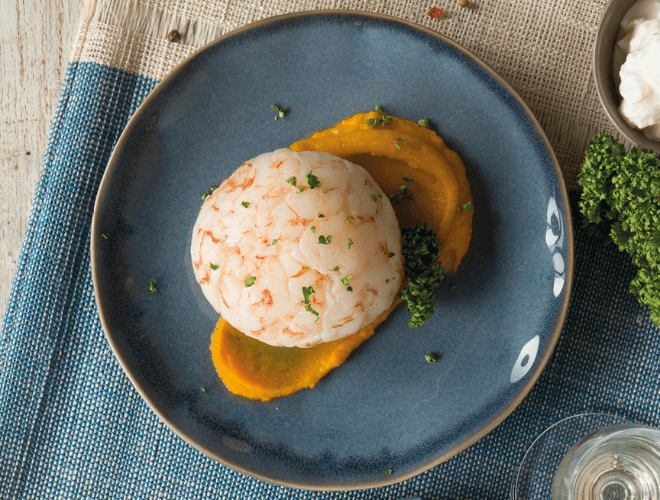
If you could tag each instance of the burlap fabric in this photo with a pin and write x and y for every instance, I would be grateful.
(543, 49)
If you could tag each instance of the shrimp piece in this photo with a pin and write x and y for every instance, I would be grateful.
(296, 249)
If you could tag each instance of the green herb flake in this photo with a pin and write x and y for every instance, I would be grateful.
(249, 281)
(280, 111)
(336, 268)
(321, 216)
(379, 121)
(202, 388)
(390, 255)
(245, 204)
(387, 281)
(388, 471)
(307, 292)
(396, 142)
(350, 243)
(431, 358)
(352, 219)
(213, 188)
(325, 240)
(152, 286)
(312, 180)
(424, 122)
(344, 281)
(403, 193)
(214, 266)
(275, 241)
(292, 181)
(465, 207)
(313, 228)
(205, 195)
(376, 196)
(106, 236)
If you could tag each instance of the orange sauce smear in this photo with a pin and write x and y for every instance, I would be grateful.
(254, 370)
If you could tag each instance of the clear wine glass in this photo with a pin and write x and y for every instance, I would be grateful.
(591, 456)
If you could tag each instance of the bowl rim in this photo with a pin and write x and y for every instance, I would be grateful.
(603, 72)
(568, 258)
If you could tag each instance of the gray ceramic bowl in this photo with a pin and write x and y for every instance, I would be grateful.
(607, 78)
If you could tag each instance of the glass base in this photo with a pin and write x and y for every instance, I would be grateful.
(533, 478)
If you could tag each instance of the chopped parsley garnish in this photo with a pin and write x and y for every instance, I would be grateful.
(420, 248)
(387, 281)
(403, 193)
(106, 236)
(280, 111)
(325, 240)
(431, 358)
(424, 122)
(214, 266)
(396, 142)
(350, 243)
(275, 241)
(336, 268)
(388, 471)
(202, 388)
(321, 216)
(245, 204)
(307, 292)
(465, 207)
(249, 281)
(352, 219)
(313, 228)
(390, 255)
(308, 308)
(292, 181)
(209, 192)
(312, 180)
(379, 121)
(345, 281)
(376, 196)
(152, 286)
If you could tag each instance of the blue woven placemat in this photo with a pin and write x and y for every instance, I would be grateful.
(72, 426)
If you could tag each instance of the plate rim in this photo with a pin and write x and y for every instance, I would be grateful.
(569, 257)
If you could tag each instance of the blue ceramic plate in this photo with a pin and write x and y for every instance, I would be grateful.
(386, 407)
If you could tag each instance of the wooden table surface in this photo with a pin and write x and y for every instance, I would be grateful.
(36, 37)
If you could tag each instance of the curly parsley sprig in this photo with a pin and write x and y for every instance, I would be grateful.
(621, 198)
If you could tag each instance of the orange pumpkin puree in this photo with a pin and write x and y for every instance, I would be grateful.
(439, 186)
(389, 152)
(255, 370)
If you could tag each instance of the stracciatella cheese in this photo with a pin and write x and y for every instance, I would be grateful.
(640, 73)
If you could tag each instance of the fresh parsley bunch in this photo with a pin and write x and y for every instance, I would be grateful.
(420, 248)
(621, 195)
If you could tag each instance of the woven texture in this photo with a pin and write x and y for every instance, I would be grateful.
(71, 424)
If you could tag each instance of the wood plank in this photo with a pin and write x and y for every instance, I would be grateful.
(36, 37)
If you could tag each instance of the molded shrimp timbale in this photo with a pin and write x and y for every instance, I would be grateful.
(296, 249)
